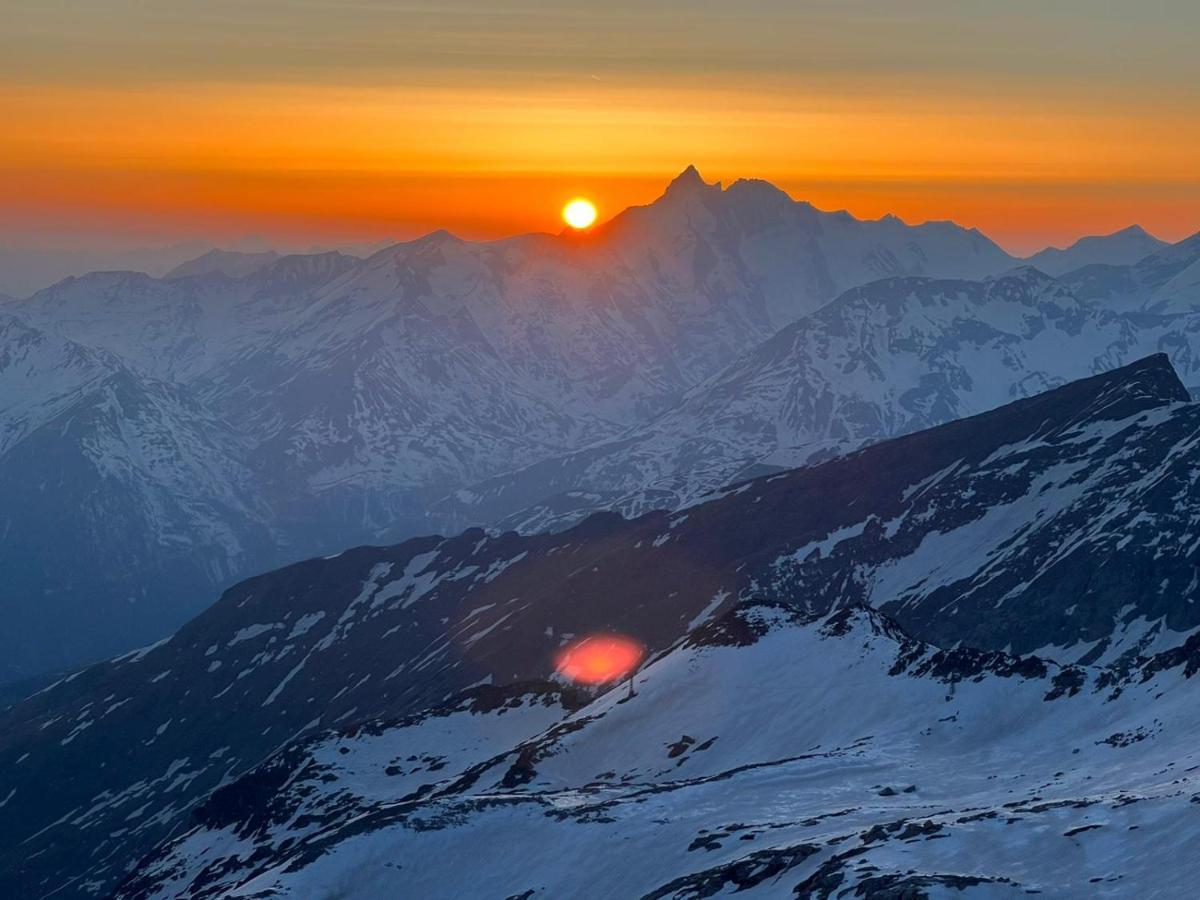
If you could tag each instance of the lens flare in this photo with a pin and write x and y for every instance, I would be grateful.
(599, 658)
(579, 213)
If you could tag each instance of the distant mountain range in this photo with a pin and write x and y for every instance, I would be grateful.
(1121, 248)
(893, 356)
(167, 436)
(25, 270)
(973, 641)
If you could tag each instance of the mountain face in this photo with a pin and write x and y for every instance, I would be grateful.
(114, 483)
(888, 358)
(1064, 524)
(1167, 281)
(439, 384)
(339, 398)
(1121, 248)
(613, 324)
(768, 754)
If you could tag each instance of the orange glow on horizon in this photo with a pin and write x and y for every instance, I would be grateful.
(599, 658)
(325, 161)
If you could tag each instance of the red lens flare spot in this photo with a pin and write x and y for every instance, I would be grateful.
(599, 658)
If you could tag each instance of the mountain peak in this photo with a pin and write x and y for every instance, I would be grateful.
(1124, 247)
(689, 181)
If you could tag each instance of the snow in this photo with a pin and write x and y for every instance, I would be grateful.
(250, 632)
(727, 752)
(305, 623)
(139, 654)
(717, 599)
(271, 697)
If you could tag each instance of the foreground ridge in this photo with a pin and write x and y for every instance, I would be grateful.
(1017, 532)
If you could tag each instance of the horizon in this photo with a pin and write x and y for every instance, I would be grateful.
(287, 241)
(198, 246)
(350, 123)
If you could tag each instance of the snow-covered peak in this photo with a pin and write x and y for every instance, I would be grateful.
(1122, 247)
(690, 181)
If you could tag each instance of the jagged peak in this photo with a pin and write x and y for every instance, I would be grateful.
(689, 182)
(690, 175)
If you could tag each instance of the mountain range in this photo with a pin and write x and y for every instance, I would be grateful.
(249, 410)
(1121, 248)
(953, 660)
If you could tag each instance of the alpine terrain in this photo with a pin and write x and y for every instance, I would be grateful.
(249, 410)
(955, 661)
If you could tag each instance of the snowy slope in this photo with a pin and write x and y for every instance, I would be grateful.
(1121, 248)
(124, 502)
(1166, 281)
(613, 324)
(40, 376)
(767, 755)
(889, 358)
(1066, 523)
(180, 328)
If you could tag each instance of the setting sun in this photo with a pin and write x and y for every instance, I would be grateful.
(579, 213)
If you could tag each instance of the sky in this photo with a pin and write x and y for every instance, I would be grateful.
(330, 121)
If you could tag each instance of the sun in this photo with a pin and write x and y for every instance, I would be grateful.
(579, 213)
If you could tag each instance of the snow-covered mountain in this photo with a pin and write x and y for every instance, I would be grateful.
(180, 329)
(342, 396)
(888, 358)
(1065, 524)
(1167, 281)
(124, 501)
(1121, 248)
(767, 755)
(442, 383)
(613, 324)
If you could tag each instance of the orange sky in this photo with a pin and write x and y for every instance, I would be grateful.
(156, 139)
